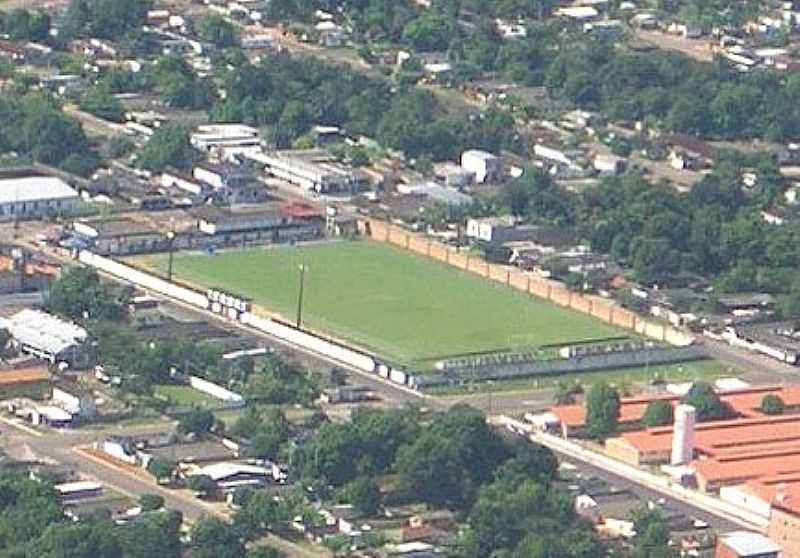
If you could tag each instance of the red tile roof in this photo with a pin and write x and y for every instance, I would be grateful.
(744, 402)
(21, 376)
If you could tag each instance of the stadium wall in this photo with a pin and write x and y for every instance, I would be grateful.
(554, 291)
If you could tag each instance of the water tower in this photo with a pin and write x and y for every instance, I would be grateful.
(683, 435)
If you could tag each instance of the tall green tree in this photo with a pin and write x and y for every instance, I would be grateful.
(602, 410)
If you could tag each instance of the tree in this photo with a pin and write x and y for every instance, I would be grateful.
(706, 402)
(263, 552)
(151, 502)
(202, 485)
(258, 512)
(217, 30)
(95, 539)
(364, 495)
(566, 392)
(213, 538)
(270, 434)
(168, 146)
(154, 535)
(196, 421)
(21, 24)
(652, 535)
(602, 410)
(658, 413)
(447, 463)
(161, 469)
(772, 404)
(103, 105)
(106, 19)
(78, 294)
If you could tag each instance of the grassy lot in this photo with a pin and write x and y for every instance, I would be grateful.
(688, 371)
(183, 396)
(403, 306)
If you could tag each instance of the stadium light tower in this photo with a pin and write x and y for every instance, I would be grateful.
(303, 268)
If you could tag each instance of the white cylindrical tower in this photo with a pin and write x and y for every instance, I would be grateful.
(683, 435)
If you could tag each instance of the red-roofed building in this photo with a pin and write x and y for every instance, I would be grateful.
(745, 403)
(300, 210)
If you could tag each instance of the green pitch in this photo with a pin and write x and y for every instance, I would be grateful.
(402, 306)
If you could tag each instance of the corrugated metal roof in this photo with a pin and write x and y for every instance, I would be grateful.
(34, 188)
(745, 543)
(43, 331)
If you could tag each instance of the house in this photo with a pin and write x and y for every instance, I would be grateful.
(118, 448)
(75, 400)
(228, 476)
(485, 166)
(745, 544)
(230, 184)
(504, 229)
(120, 236)
(70, 492)
(329, 34)
(453, 175)
(24, 196)
(609, 165)
(578, 13)
(32, 382)
(687, 152)
(47, 337)
(774, 216)
(435, 192)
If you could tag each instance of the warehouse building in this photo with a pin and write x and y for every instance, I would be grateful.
(47, 337)
(225, 136)
(23, 197)
(309, 170)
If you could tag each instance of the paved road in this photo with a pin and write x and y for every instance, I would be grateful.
(647, 495)
(757, 368)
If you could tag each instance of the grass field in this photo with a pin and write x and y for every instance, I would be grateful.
(401, 305)
(183, 396)
(708, 370)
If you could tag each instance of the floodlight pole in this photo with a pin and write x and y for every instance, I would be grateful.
(300, 295)
(171, 239)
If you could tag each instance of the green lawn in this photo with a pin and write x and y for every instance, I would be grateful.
(403, 306)
(183, 396)
(708, 370)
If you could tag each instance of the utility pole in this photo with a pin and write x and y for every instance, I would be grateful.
(300, 295)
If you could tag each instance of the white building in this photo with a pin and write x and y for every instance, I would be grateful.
(491, 229)
(216, 391)
(218, 136)
(36, 196)
(485, 165)
(77, 402)
(47, 337)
